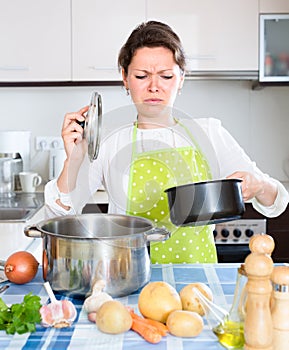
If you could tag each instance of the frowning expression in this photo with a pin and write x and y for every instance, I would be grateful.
(153, 79)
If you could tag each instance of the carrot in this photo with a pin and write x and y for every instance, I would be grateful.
(148, 332)
(162, 329)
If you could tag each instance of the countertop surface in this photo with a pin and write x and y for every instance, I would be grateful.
(12, 237)
(221, 278)
(26, 200)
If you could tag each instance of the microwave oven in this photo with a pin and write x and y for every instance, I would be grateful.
(274, 48)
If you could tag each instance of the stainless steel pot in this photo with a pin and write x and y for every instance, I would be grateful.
(78, 250)
(208, 202)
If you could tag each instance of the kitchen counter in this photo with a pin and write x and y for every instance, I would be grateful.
(12, 237)
(83, 334)
(33, 200)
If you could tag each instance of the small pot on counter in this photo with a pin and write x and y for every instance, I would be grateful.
(204, 203)
(78, 250)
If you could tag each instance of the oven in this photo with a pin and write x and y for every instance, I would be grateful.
(232, 238)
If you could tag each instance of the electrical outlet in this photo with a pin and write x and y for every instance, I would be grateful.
(47, 143)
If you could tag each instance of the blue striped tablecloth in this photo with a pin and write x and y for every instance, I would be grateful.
(83, 334)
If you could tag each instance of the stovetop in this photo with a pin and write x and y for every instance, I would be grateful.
(239, 231)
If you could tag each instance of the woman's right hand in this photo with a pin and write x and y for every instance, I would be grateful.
(72, 134)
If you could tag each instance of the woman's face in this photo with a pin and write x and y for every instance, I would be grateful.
(153, 79)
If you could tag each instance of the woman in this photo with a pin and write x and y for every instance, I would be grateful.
(138, 162)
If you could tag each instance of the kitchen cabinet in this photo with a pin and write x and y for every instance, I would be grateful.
(217, 35)
(99, 29)
(73, 41)
(273, 41)
(12, 237)
(273, 6)
(274, 48)
(35, 40)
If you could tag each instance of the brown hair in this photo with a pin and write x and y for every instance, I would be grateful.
(151, 34)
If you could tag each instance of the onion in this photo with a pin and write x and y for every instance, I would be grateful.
(21, 267)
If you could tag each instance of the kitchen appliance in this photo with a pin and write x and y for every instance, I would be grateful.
(78, 250)
(232, 238)
(6, 176)
(56, 161)
(208, 202)
(14, 145)
(17, 142)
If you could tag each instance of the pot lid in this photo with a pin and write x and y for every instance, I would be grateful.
(92, 125)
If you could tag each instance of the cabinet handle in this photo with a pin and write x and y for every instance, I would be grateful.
(102, 68)
(201, 57)
(14, 68)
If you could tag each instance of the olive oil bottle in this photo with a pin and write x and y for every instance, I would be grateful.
(228, 326)
(230, 334)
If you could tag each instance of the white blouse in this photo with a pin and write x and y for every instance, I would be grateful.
(111, 169)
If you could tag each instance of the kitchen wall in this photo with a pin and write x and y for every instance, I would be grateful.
(258, 119)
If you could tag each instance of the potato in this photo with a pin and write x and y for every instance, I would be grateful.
(183, 323)
(190, 301)
(113, 317)
(157, 300)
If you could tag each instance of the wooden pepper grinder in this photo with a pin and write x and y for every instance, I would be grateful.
(262, 243)
(280, 307)
(258, 326)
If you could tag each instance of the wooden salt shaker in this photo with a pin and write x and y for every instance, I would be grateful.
(280, 307)
(258, 326)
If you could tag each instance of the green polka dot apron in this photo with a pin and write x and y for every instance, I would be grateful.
(150, 174)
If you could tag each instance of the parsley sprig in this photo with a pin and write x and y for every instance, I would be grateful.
(20, 318)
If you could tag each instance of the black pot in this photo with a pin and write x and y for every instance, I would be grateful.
(204, 203)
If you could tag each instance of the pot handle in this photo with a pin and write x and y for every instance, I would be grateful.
(32, 231)
(157, 234)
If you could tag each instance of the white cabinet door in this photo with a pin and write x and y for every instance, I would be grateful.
(35, 40)
(99, 29)
(217, 35)
(273, 6)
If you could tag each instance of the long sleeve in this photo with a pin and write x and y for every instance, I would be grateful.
(51, 194)
(232, 157)
(88, 181)
(111, 169)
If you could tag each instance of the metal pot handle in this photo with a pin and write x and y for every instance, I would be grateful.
(32, 231)
(157, 234)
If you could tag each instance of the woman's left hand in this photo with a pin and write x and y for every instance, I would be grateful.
(252, 185)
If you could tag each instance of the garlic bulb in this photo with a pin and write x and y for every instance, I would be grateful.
(58, 313)
(97, 298)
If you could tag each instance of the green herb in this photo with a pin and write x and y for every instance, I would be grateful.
(20, 318)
